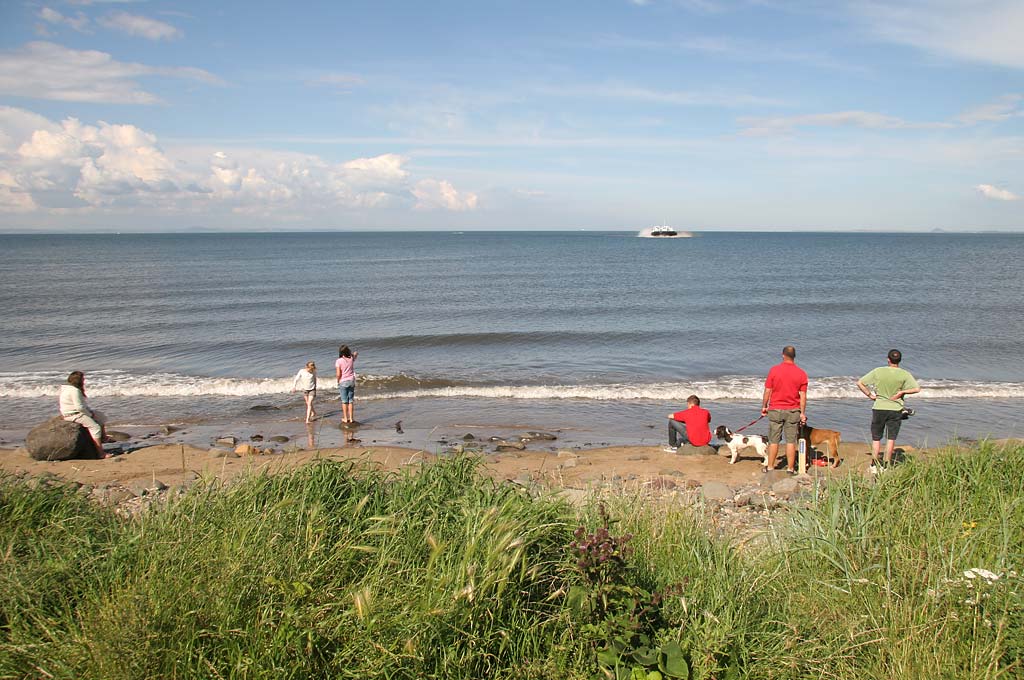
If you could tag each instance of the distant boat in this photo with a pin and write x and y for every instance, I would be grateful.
(663, 230)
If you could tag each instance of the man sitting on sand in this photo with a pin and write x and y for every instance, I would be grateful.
(691, 425)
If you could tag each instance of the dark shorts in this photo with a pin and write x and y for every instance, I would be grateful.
(887, 422)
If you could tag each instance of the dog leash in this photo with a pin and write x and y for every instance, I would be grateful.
(748, 425)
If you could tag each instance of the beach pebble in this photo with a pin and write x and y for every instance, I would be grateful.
(227, 441)
(717, 491)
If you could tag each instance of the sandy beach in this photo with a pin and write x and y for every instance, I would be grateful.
(543, 462)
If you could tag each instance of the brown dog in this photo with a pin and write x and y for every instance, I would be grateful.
(816, 437)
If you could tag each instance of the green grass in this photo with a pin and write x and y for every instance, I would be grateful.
(339, 570)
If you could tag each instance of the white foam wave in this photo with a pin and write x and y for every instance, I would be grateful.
(749, 388)
(123, 384)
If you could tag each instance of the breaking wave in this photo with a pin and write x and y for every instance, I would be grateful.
(124, 384)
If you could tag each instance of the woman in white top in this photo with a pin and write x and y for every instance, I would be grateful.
(75, 408)
(305, 380)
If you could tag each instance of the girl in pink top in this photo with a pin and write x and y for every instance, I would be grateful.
(345, 372)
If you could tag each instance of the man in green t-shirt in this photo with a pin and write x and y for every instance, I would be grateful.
(886, 386)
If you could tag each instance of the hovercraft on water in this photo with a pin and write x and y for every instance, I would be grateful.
(663, 230)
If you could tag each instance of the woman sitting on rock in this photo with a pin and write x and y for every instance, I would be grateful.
(74, 407)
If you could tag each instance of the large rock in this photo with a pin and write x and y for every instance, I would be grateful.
(59, 439)
(691, 450)
(717, 491)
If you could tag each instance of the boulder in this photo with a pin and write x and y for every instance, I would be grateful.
(246, 450)
(279, 438)
(691, 450)
(785, 487)
(507, 445)
(716, 491)
(59, 439)
(227, 441)
(540, 436)
(468, 437)
(118, 436)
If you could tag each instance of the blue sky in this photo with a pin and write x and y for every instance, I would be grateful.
(611, 114)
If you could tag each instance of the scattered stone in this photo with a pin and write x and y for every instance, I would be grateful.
(264, 407)
(59, 439)
(169, 429)
(222, 453)
(662, 484)
(507, 445)
(693, 484)
(568, 463)
(468, 437)
(117, 495)
(256, 438)
(785, 487)
(541, 436)
(227, 441)
(566, 453)
(246, 450)
(716, 491)
(458, 449)
(280, 439)
(118, 436)
(640, 457)
(743, 499)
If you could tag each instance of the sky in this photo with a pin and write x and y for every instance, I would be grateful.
(842, 115)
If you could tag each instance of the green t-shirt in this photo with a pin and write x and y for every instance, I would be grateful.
(888, 380)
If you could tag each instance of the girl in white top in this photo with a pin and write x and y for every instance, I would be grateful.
(305, 380)
(75, 408)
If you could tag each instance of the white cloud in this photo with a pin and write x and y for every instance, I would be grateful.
(432, 194)
(44, 70)
(1004, 108)
(140, 26)
(627, 92)
(857, 119)
(79, 22)
(995, 193)
(986, 31)
(68, 167)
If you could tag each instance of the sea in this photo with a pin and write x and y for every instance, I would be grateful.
(594, 336)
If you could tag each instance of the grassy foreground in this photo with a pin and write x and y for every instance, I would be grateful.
(339, 571)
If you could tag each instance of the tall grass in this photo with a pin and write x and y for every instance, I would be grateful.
(339, 570)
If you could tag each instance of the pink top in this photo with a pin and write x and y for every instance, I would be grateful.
(346, 365)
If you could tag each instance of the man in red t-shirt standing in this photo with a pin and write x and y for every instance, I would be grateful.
(691, 425)
(785, 404)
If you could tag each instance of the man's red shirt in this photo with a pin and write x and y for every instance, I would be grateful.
(696, 420)
(786, 381)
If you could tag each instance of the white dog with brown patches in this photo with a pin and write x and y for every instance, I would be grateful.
(736, 443)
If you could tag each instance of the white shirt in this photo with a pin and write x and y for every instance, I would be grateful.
(304, 380)
(72, 402)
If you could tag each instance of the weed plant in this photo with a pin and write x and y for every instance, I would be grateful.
(341, 570)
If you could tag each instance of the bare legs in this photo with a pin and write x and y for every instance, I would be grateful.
(773, 454)
(310, 411)
(876, 447)
(347, 413)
